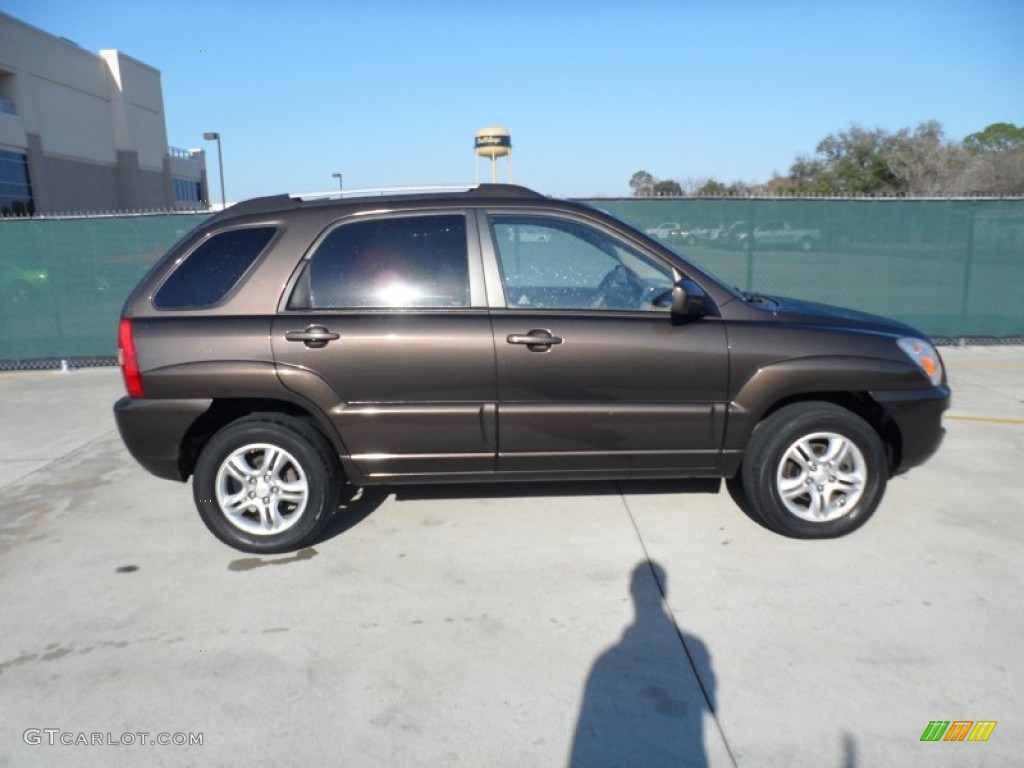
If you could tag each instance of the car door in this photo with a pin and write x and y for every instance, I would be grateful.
(594, 375)
(387, 330)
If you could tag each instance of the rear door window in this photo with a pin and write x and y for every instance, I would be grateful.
(213, 269)
(415, 261)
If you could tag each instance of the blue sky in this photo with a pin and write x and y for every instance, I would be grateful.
(391, 92)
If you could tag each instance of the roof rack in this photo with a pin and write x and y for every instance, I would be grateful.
(477, 190)
(342, 193)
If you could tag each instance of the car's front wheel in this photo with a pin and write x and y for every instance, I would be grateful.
(266, 483)
(814, 470)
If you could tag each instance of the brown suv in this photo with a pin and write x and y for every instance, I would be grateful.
(290, 346)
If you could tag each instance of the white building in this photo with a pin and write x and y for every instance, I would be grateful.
(85, 132)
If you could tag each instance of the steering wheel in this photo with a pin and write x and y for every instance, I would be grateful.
(619, 289)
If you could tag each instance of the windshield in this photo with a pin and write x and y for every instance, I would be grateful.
(727, 278)
(723, 271)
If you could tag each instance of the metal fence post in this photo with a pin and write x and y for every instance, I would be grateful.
(750, 244)
(965, 293)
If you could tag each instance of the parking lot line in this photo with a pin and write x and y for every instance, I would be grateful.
(987, 419)
(996, 366)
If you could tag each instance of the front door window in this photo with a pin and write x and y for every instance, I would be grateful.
(549, 263)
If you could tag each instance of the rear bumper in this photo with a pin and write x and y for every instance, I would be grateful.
(154, 432)
(917, 415)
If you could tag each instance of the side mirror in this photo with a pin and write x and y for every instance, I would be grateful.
(689, 300)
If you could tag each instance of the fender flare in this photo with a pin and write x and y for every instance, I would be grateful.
(806, 377)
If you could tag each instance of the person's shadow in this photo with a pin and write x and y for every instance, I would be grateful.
(646, 697)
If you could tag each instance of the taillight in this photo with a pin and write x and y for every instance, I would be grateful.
(127, 360)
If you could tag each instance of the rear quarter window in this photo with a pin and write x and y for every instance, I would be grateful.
(213, 269)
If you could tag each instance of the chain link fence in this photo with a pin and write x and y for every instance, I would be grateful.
(953, 268)
(63, 282)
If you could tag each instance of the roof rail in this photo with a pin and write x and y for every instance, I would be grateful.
(341, 193)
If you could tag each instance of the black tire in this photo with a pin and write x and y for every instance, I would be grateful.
(734, 486)
(288, 505)
(831, 463)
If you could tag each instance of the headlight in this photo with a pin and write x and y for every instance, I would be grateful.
(925, 356)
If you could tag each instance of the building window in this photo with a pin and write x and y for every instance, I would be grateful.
(187, 191)
(15, 189)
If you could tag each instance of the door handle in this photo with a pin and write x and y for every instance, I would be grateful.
(536, 340)
(314, 337)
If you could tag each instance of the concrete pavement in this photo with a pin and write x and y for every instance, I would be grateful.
(537, 625)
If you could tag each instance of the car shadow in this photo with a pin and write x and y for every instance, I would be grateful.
(359, 503)
(647, 696)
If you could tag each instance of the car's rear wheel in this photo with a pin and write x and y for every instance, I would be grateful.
(266, 484)
(814, 470)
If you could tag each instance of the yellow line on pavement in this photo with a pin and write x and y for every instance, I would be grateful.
(986, 419)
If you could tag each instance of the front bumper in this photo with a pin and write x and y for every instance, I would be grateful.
(154, 432)
(917, 415)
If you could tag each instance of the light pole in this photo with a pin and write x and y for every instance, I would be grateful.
(214, 136)
(338, 177)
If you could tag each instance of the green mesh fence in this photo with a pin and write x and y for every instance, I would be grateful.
(953, 268)
(63, 281)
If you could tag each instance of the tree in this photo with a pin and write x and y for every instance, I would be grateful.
(642, 184)
(996, 139)
(851, 162)
(667, 189)
(858, 161)
(712, 188)
(925, 163)
(810, 176)
(740, 189)
(996, 160)
(776, 186)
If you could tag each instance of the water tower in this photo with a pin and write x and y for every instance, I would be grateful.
(493, 142)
